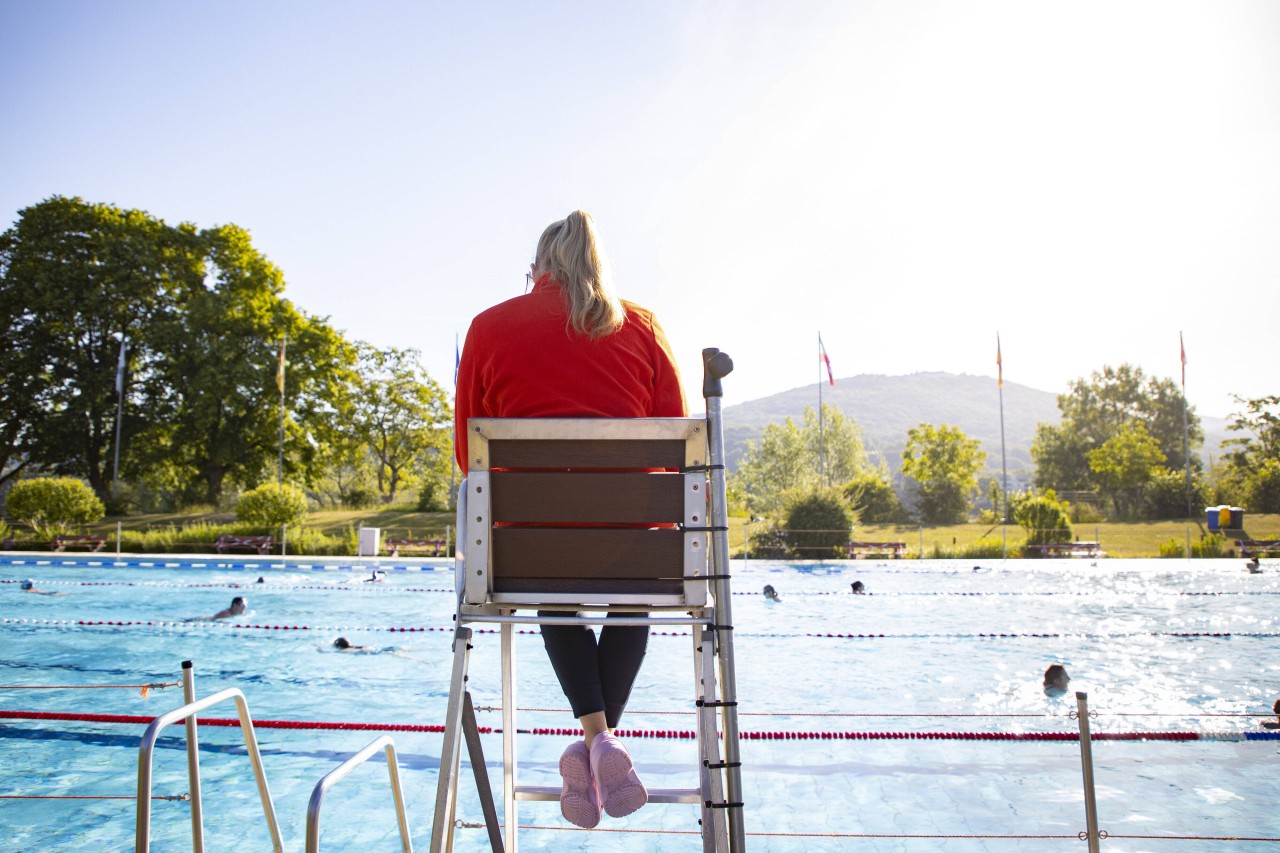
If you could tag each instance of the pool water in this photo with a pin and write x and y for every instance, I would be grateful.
(935, 646)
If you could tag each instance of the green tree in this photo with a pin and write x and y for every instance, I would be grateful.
(1095, 410)
(218, 406)
(1123, 466)
(1044, 517)
(53, 505)
(944, 462)
(75, 278)
(403, 418)
(1166, 494)
(874, 499)
(786, 462)
(1252, 472)
(819, 524)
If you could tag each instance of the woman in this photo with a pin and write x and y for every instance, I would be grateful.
(571, 348)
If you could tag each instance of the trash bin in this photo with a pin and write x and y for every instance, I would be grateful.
(1212, 515)
(1237, 518)
(367, 544)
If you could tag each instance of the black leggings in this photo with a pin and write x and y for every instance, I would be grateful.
(596, 676)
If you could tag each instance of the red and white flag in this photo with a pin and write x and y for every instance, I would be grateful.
(822, 353)
(1182, 350)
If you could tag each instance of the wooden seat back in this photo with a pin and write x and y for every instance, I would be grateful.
(589, 511)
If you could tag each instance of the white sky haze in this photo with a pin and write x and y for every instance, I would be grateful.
(907, 178)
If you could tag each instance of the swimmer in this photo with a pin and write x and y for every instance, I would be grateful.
(1056, 680)
(857, 588)
(260, 580)
(378, 576)
(237, 607)
(771, 593)
(342, 645)
(1254, 566)
(1267, 724)
(29, 585)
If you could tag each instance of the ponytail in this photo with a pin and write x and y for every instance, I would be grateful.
(570, 250)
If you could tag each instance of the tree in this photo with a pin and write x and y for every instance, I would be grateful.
(272, 505)
(74, 279)
(818, 524)
(1253, 460)
(786, 463)
(1123, 466)
(401, 415)
(1166, 494)
(873, 497)
(945, 464)
(1096, 409)
(1044, 517)
(217, 405)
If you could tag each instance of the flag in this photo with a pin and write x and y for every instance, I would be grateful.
(120, 369)
(999, 364)
(822, 351)
(1183, 352)
(280, 367)
(457, 359)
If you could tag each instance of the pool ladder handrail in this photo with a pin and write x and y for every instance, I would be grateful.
(188, 713)
(383, 742)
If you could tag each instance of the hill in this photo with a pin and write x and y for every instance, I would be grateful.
(887, 406)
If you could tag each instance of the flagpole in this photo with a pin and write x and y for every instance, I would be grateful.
(822, 457)
(1186, 429)
(1004, 466)
(280, 382)
(115, 471)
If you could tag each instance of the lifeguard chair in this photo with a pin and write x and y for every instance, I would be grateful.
(643, 501)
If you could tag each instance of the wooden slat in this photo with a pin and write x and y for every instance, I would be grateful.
(586, 497)
(599, 554)
(590, 453)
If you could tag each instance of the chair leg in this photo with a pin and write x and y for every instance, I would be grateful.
(714, 830)
(451, 750)
(509, 752)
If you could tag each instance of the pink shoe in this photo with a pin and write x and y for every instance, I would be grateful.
(621, 791)
(579, 799)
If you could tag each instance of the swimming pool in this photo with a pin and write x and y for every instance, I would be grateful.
(1181, 639)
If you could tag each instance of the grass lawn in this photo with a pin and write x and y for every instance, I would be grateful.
(1118, 539)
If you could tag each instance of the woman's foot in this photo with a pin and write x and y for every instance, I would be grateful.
(579, 799)
(621, 791)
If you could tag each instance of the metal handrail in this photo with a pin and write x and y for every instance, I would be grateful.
(147, 747)
(322, 787)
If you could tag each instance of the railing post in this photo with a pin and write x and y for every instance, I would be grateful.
(1086, 766)
(193, 760)
(118, 526)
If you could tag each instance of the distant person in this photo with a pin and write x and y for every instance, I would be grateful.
(378, 576)
(857, 588)
(260, 580)
(1254, 566)
(237, 607)
(771, 593)
(29, 585)
(1056, 680)
(343, 645)
(1267, 724)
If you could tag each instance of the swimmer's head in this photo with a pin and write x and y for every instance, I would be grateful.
(341, 643)
(1056, 678)
(238, 604)
(260, 580)
(857, 587)
(1276, 707)
(28, 584)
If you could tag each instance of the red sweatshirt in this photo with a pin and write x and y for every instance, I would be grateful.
(522, 359)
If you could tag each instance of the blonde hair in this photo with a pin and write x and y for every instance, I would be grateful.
(571, 251)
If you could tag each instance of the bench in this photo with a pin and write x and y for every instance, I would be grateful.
(1064, 549)
(859, 550)
(227, 542)
(437, 547)
(89, 542)
(1258, 547)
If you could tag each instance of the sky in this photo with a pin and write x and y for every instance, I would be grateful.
(907, 179)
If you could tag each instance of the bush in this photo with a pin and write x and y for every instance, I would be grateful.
(359, 497)
(819, 524)
(770, 544)
(1166, 495)
(427, 500)
(1173, 548)
(1209, 547)
(1044, 518)
(54, 505)
(874, 499)
(273, 504)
